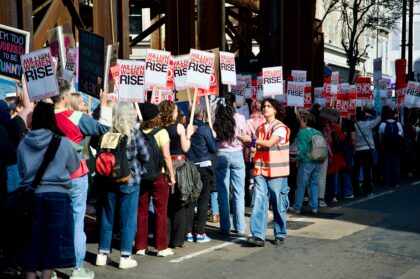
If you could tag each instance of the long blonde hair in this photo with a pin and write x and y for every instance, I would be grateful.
(124, 119)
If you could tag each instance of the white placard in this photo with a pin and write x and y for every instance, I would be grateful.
(239, 91)
(295, 93)
(318, 96)
(70, 67)
(228, 68)
(335, 76)
(39, 73)
(273, 81)
(299, 76)
(180, 71)
(156, 69)
(260, 89)
(412, 95)
(131, 81)
(247, 79)
(199, 70)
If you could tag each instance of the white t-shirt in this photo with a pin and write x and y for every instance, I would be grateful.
(280, 132)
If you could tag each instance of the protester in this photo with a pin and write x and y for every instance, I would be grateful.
(270, 173)
(122, 199)
(51, 242)
(230, 165)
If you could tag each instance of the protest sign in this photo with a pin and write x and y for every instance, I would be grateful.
(60, 40)
(260, 88)
(68, 71)
(228, 68)
(335, 76)
(273, 81)
(170, 80)
(307, 104)
(200, 67)
(131, 81)
(299, 76)
(239, 91)
(377, 69)
(295, 94)
(111, 58)
(412, 95)
(247, 79)
(180, 72)
(363, 89)
(157, 66)
(13, 43)
(318, 96)
(39, 74)
(213, 90)
(91, 68)
(343, 103)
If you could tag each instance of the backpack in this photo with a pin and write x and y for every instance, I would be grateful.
(391, 137)
(111, 161)
(155, 164)
(318, 148)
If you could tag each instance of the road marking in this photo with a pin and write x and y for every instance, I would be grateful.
(208, 250)
(363, 200)
(415, 183)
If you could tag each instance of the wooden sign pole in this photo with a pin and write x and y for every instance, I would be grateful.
(193, 106)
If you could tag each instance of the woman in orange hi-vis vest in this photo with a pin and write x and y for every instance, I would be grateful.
(271, 171)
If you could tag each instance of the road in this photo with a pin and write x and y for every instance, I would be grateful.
(375, 237)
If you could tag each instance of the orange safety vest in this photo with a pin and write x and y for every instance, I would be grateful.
(273, 161)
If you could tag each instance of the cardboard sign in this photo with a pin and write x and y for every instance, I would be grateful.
(299, 76)
(228, 68)
(180, 71)
(13, 44)
(91, 66)
(273, 81)
(200, 67)
(39, 73)
(157, 67)
(239, 91)
(111, 58)
(131, 81)
(318, 96)
(412, 95)
(307, 104)
(377, 69)
(68, 71)
(295, 94)
(335, 76)
(363, 89)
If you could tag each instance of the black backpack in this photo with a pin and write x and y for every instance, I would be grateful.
(111, 161)
(391, 138)
(155, 164)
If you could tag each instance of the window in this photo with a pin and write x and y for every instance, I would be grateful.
(395, 40)
(135, 19)
(417, 35)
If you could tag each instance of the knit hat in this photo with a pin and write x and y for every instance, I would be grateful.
(149, 111)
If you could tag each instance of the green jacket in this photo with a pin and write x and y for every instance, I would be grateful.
(304, 143)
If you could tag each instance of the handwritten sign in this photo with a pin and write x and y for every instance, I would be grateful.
(39, 73)
(13, 43)
(295, 94)
(200, 68)
(273, 81)
(131, 81)
(228, 67)
(91, 66)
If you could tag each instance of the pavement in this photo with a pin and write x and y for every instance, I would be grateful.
(371, 237)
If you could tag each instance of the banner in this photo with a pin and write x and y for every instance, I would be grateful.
(131, 81)
(299, 76)
(273, 81)
(40, 77)
(200, 67)
(91, 66)
(412, 95)
(157, 66)
(68, 71)
(13, 43)
(180, 71)
(239, 91)
(228, 68)
(295, 94)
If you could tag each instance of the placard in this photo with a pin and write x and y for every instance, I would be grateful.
(260, 88)
(13, 43)
(157, 66)
(363, 89)
(247, 79)
(68, 71)
(239, 91)
(180, 71)
(39, 74)
(295, 94)
(170, 85)
(377, 69)
(200, 67)
(213, 90)
(299, 76)
(131, 81)
(228, 68)
(91, 66)
(318, 96)
(111, 58)
(273, 81)
(307, 104)
(412, 95)
(335, 76)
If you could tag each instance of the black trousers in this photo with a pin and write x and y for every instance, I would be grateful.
(363, 159)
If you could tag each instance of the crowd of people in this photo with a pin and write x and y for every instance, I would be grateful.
(263, 159)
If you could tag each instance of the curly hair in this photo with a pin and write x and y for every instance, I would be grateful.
(166, 109)
(224, 123)
(280, 110)
(151, 124)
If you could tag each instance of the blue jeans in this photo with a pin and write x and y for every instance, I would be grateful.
(78, 195)
(307, 173)
(276, 191)
(340, 182)
(123, 200)
(214, 204)
(230, 176)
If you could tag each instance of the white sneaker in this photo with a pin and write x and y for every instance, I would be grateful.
(101, 259)
(322, 203)
(165, 253)
(127, 262)
(141, 252)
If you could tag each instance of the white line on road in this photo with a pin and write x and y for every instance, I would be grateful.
(363, 200)
(415, 183)
(208, 250)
